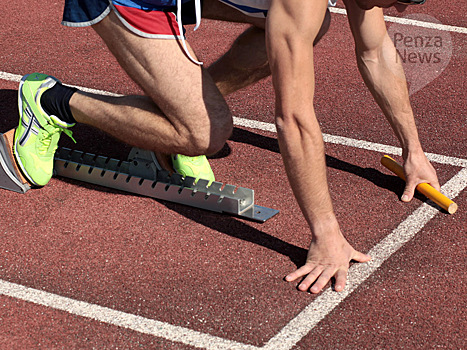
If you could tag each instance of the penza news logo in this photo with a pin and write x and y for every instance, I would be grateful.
(423, 48)
(418, 49)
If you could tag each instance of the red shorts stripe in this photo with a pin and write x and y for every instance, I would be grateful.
(153, 23)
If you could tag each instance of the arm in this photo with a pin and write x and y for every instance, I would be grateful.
(291, 27)
(383, 74)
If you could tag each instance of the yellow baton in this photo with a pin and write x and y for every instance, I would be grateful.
(424, 188)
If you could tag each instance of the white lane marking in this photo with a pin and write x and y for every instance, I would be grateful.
(412, 22)
(306, 320)
(17, 78)
(346, 141)
(339, 140)
(289, 335)
(10, 77)
(377, 147)
(118, 318)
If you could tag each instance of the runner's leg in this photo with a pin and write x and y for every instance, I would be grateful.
(183, 112)
(246, 61)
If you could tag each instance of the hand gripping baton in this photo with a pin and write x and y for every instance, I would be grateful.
(424, 188)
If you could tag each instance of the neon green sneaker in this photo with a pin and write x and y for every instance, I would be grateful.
(197, 167)
(37, 134)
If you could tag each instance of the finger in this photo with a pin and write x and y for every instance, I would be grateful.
(312, 276)
(302, 271)
(436, 185)
(360, 257)
(408, 191)
(341, 280)
(323, 279)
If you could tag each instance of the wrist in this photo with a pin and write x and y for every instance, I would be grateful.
(413, 152)
(412, 149)
(324, 226)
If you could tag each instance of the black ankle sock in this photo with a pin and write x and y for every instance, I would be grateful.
(56, 101)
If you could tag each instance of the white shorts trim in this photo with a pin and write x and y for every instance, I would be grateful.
(88, 23)
(141, 33)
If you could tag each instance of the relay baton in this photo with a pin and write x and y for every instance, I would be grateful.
(424, 188)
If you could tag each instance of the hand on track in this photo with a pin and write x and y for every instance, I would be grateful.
(327, 258)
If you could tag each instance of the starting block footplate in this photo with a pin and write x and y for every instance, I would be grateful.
(10, 176)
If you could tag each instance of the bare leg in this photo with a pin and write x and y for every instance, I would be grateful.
(246, 62)
(183, 111)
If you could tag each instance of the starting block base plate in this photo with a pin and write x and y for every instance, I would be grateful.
(138, 175)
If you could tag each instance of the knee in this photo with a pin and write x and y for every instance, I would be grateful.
(220, 132)
(210, 137)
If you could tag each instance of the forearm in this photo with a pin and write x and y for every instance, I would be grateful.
(302, 150)
(291, 29)
(290, 53)
(383, 74)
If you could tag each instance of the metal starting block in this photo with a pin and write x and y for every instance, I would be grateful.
(10, 175)
(140, 175)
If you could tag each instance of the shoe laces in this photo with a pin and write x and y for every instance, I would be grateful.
(48, 134)
(68, 133)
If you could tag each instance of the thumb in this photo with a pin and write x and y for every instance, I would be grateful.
(408, 192)
(360, 257)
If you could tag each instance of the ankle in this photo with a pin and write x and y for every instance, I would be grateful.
(56, 101)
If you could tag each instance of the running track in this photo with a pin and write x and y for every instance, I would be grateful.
(82, 266)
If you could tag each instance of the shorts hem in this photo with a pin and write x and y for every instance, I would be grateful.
(88, 23)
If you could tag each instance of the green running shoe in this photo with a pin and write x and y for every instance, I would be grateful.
(197, 167)
(37, 134)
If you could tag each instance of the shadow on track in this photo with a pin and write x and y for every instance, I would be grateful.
(94, 141)
(387, 182)
(234, 227)
(9, 116)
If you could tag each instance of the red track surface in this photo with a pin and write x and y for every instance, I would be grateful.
(215, 274)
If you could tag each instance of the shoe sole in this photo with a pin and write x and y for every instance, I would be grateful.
(20, 108)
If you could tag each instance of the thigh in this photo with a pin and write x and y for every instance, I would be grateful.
(181, 89)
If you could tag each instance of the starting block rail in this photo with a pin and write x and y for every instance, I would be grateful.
(140, 175)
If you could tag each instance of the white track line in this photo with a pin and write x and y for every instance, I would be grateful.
(10, 77)
(346, 141)
(412, 22)
(306, 320)
(119, 319)
(17, 78)
(377, 147)
(291, 334)
(253, 124)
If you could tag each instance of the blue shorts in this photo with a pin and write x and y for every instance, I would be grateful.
(150, 18)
